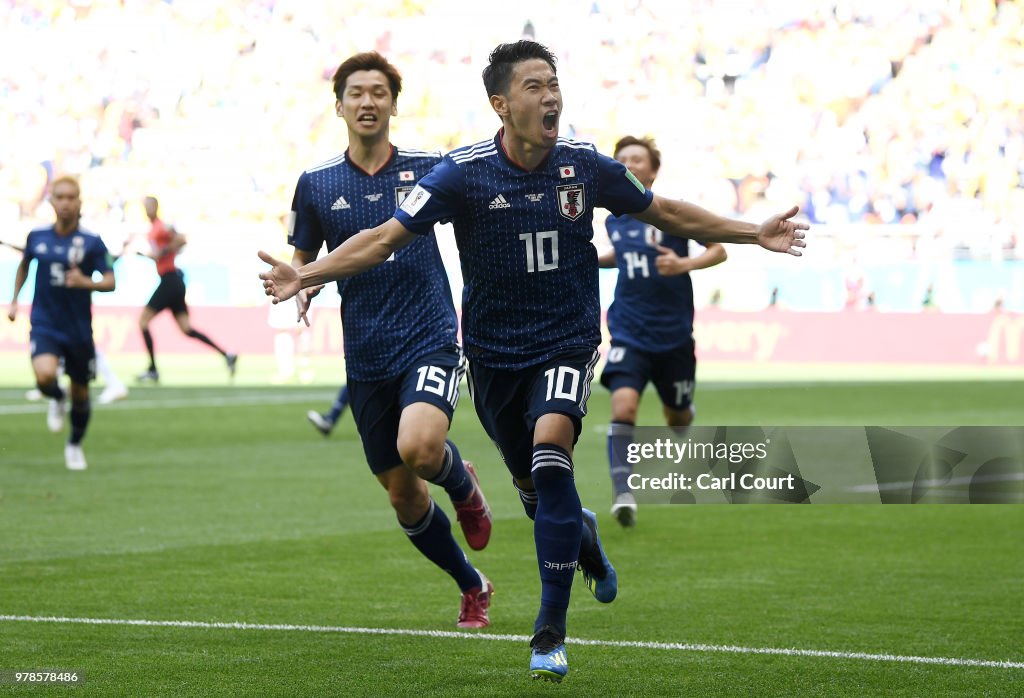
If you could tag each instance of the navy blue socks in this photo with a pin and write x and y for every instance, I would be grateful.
(432, 536)
(556, 530)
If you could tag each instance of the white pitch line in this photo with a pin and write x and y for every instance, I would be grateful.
(447, 634)
(160, 404)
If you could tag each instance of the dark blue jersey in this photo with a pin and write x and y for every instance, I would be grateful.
(650, 311)
(61, 312)
(530, 270)
(403, 308)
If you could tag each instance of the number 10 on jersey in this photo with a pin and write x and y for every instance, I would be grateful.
(541, 250)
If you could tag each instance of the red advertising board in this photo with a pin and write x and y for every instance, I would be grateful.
(784, 336)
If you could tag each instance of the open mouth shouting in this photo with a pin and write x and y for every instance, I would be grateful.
(550, 124)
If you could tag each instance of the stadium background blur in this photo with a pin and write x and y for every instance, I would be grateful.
(899, 125)
(896, 125)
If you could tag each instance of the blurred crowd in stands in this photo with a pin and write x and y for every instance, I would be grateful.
(882, 112)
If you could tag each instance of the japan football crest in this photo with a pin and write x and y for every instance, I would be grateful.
(76, 253)
(401, 193)
(571, 202)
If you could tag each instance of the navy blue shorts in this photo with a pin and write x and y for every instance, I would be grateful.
(509, 402)
(672, 372)
(79, 357)
(169, 294)
(377, 405)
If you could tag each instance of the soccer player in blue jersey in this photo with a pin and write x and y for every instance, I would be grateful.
(401, 354)
(650, 321)
(522, 207)
(66, 258)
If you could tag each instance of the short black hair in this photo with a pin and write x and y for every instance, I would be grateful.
(503, 59)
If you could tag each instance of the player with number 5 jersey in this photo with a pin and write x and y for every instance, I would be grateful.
(67, 259)
(521, 205)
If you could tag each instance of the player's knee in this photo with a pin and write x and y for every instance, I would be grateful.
(46, 376)
(625, 405)
(422, 455)
(679, 418)
(624, 413)
(79, 394)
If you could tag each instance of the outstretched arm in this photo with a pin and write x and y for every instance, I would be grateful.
(357, 254)
(777, 234)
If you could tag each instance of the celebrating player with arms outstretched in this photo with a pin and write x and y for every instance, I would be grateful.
(522, 206)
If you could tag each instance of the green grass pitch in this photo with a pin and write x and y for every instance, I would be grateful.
(222, 505)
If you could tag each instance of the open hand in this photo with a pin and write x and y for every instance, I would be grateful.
(281, 281)
(780, 234)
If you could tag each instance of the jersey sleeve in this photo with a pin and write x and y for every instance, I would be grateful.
(619, 191)
(438, 196)
(304, 229)
(102, 261)
(27, 254)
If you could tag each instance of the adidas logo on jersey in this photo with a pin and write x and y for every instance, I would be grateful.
(340, 204)
(499, 202)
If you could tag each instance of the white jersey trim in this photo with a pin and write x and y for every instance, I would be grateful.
(580, 145)
(329, 163)
(419, 153)
(472, 152)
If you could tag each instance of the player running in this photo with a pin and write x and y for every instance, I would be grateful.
(401, 354)
(66, 258)
(650, 321)
(165, 243)
(522, 207)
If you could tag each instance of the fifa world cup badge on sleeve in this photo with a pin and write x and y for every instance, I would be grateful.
(415, 200)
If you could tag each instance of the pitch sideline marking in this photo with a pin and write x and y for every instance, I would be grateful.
(225, 400)
(447, 634)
